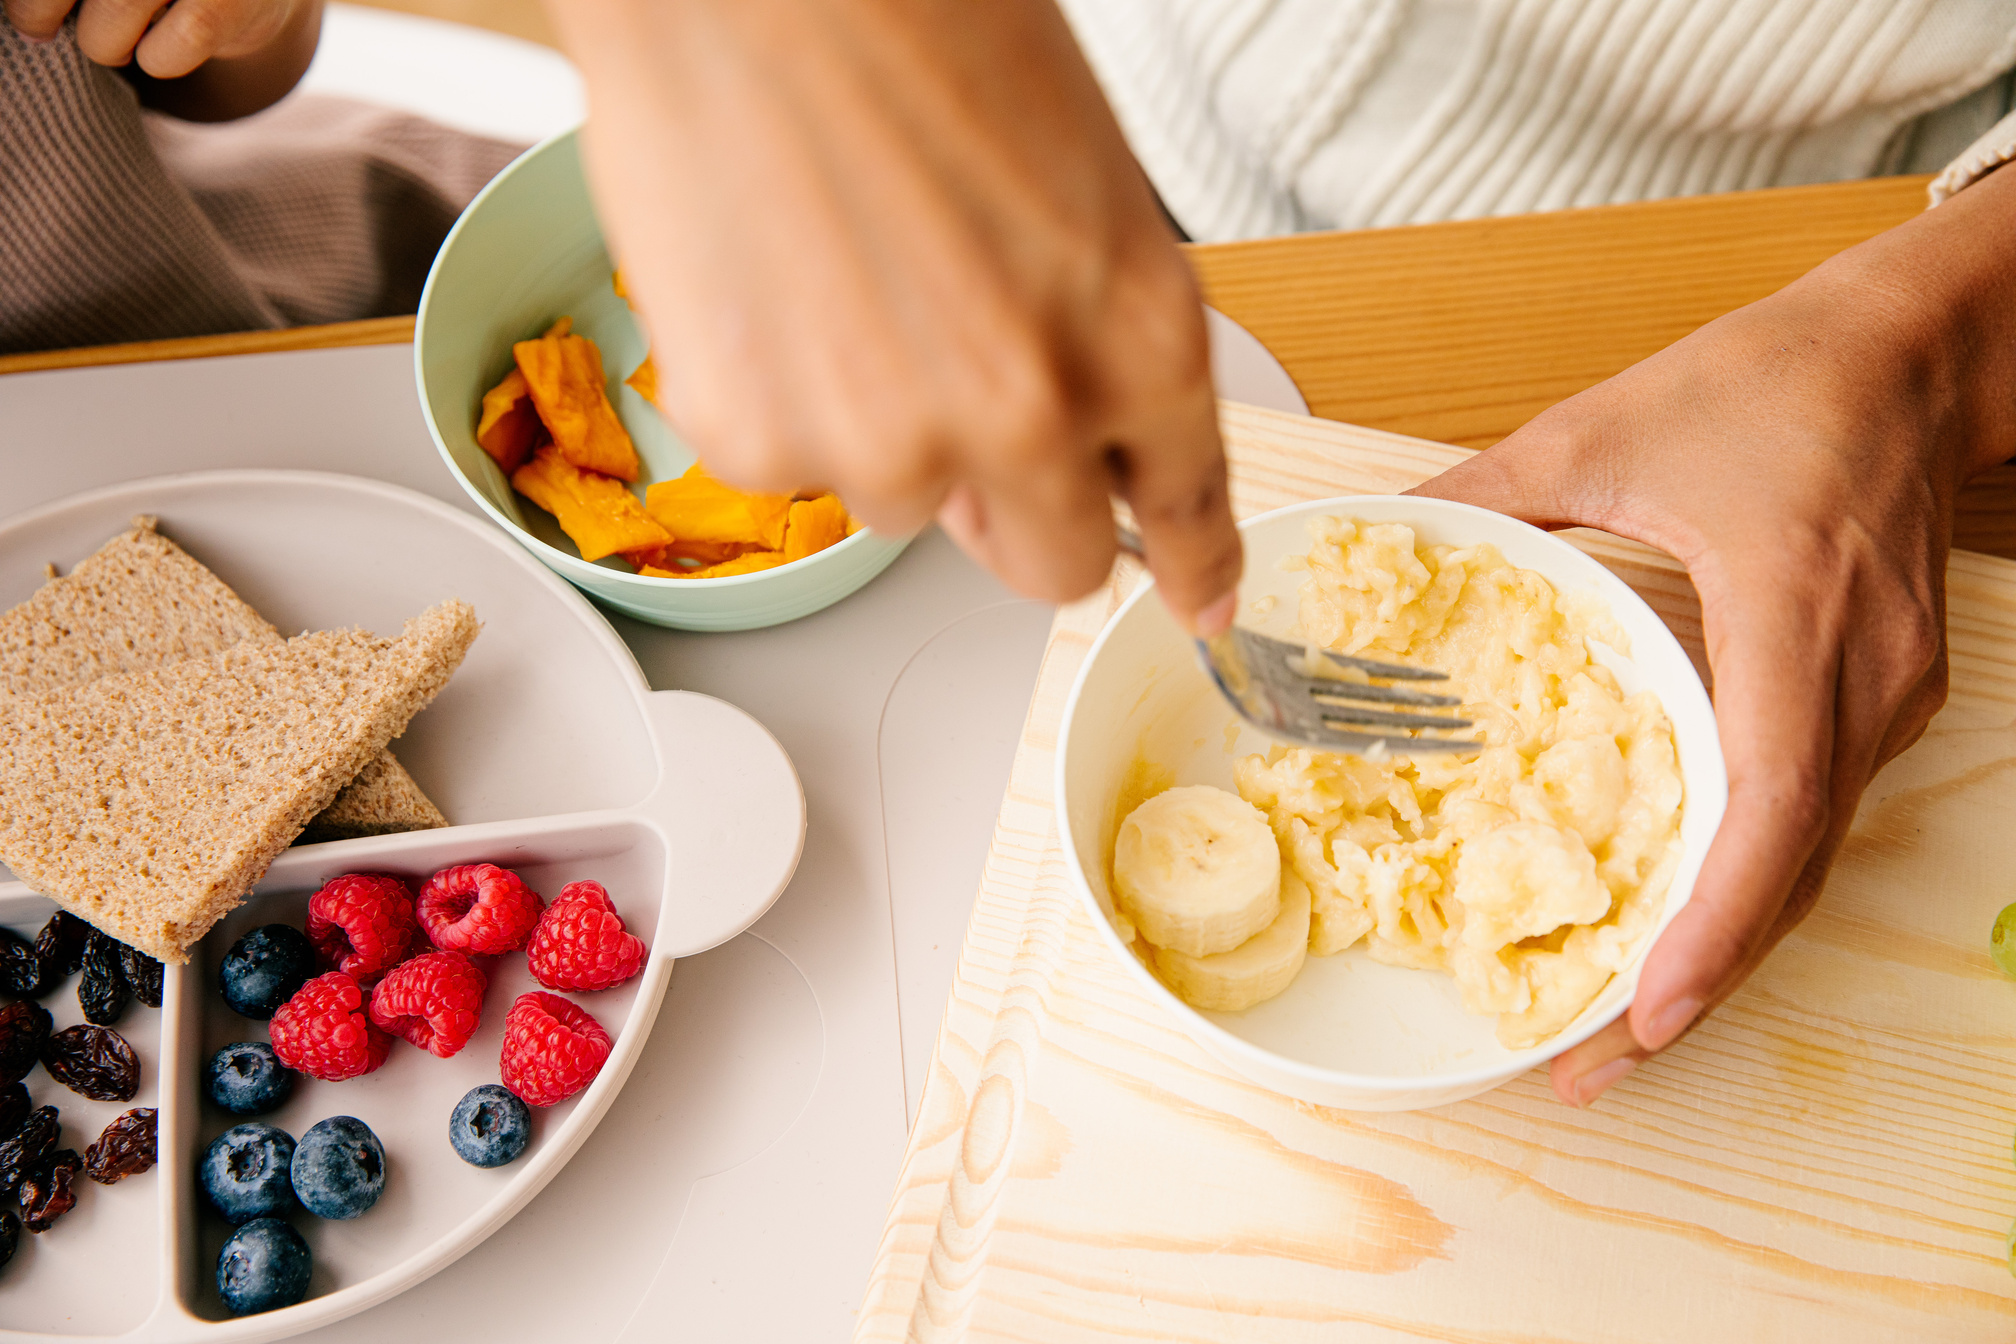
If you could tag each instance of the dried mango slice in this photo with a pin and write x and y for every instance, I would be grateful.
(600, 514)
(696, 507)
(741, 564)
(509, 428)
(702, 553)
(564, 374)
(814, 524)
(644, 380)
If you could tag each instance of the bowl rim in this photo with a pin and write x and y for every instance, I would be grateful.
(1228, 1045)
(545, 551)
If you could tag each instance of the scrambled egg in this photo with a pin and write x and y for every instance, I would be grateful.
(1530, 870)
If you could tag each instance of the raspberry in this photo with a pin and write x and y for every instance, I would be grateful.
(434, 1001)
(363, 925)
(480, 908)
(325, 1031)
(581, 943)
(552, 1049)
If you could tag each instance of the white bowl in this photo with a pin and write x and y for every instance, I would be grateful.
(1350, 1032)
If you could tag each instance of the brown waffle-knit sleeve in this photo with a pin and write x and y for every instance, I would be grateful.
(120, 225)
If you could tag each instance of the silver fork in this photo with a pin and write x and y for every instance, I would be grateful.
(1269, 683)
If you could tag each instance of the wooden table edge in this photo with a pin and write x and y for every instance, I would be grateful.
(326, 336)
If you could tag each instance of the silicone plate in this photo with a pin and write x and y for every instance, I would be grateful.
(559, 761)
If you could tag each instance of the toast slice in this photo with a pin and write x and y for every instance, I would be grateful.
(140, 601)
(150, 802)
(383, 799)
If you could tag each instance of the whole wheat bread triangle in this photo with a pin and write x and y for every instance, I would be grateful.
(150, 802)
(140, 601)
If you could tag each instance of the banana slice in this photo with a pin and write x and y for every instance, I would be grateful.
(1256, 970)
(1197, 870)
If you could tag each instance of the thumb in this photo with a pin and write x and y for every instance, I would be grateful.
(1775, 695)
(1527, 476)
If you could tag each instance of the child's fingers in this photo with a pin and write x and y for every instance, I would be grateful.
(190, 32)
(108, 30)
(37, 20)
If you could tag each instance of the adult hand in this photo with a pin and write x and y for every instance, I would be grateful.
(1801, 457)
(899, 248)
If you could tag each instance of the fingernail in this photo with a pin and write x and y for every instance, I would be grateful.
(1596, 1082)
(1667, 1024)
(1216, 619)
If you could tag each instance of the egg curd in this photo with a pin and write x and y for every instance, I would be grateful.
(1531, 870)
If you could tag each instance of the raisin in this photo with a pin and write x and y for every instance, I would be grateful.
(126, 1148)
(25, 1151)
(47, 1194)
(24, 1030)
(22, 973)
(142, 975)
(94, 1062)
(14, 1108)
(10, 1235)
(103, 992)
(61, 942)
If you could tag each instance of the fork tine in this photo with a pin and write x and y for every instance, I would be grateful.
(1281, 648)
(1262, 678)
(1391, 671)
(1386, 718)
(1325, 689)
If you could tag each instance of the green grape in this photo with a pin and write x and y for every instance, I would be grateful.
(2011, 1243)
(2002, 942)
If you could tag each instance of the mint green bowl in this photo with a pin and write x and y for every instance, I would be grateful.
(527, 251)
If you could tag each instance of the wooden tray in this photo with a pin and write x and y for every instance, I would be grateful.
(1829, 1157)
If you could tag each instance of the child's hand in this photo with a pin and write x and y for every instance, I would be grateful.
(168, 41)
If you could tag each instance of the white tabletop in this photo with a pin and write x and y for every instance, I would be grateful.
(736, 1189)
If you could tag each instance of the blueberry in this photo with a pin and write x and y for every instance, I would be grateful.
(264, 968)
(247, 1078)
(247, 1172)
(264, 1265)
(489, 1127)
(339, 1167)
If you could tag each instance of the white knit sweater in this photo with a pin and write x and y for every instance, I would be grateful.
(1258, 117)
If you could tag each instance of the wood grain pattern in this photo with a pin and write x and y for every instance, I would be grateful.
(1462, 332)
(331, 336)
(1828, 1157)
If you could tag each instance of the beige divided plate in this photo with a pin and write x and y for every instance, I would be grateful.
(558, 761)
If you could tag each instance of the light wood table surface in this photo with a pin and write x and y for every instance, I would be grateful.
(1463, 332)
(1826, 1157)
